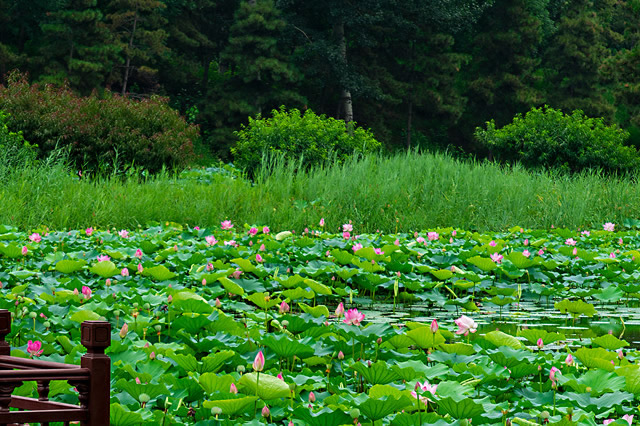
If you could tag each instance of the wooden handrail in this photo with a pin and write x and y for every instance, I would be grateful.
(92, 379)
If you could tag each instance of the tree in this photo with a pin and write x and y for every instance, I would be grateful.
(136, 28)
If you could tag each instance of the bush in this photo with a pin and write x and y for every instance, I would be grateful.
(99, 132)
(546, 137)
(292, 135)
(14, 150)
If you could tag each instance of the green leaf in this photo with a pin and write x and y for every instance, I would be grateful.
(324, 417)
(263, 301)
(533, 334)
(281, 236)
(609, 341)
(233, 406)
(269, 387)
(67, 266)
(376, 409)
(84, 315)
(106, 269)
(378, 373)
(424, 338)
(212, 383)
(136, 389)
(159, 273)
(596, 358)
(285, 347)
(631, 373)
(463, 409)
(298, 293)
(121, 416)
(442, 274)
(458, 348)
(190, 302)
(317, 287)
(575, 307)
(230, 286)
(485, 264)
(499, 338)
(316, 311)
(594, 381)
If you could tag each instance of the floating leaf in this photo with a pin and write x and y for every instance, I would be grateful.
(424, 338)
(378, 373)
(462, 409)
(232, 406)
(84, 315)
(269, 387)
(158, 273)
(106, 269)
(609, 341)
(575, 307)
(67, 266)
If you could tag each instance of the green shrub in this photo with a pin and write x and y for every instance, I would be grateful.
(14, 150)
(546, 137)
(99, 132)
(291, 134)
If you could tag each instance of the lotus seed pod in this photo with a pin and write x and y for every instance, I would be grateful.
(146, 306)
(117, 312)
(240, 369)
(544, 414)
(158, 327)
(216, 411)
(354, 413)
(33, 315)
(285, 323)
(144, 398)
(47, 324)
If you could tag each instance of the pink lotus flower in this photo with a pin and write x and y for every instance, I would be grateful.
(236, 274)
(209, 267)
(226, 224)
(609, 226)
(265, 411)
(586, 233)
(312, 397)
(454, 232)
(34, 348)
(321, 221)
(138, 254)
(421, 240)
(426, 387)
(347, 227)
(259, 258)
(123, 331)
(353, 317)
(124, 272)
(35, 237)
(433, 236)
(526, 253)
(356, 247)
(233, 389)
(569, 360)
(124, 233)
(279, 376)
(606, 422)
(103, 258)
(140, 268)
(152, 355)
(466, 325)
(284, 308)
(492, 243)
(540, 343)
(434, 326)
(396, 242)
(378, 251)
(346, 235)
(253, 231)
(138, 380)
(265, 230)
(540, 252)
(612, 255)
(88, 231)
(552, 376)
(340, 310)
(218, 303)
(262, 247)
(620, 354)
(340, 355)
(258, 362)
(25, 250)
(526, 241)
(86, 292)
(210, 239)
(497, 257)
(628, 418)
(570, 242)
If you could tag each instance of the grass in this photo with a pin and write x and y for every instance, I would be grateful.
(404, 192)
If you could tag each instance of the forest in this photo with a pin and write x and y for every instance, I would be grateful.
(417, 73)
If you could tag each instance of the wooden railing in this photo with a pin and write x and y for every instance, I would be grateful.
(92, 379)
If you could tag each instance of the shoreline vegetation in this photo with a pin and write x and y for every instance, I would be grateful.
(399, 193)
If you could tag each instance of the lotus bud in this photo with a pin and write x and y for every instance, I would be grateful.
(265, 411)
(312, 397)
(279, 376)
(434, 326)
(218, 303)
(620, 354)
(340, 356)
(379, 341)
(152, 355)
(258, 362)
(540, 343)
(124, 330)
(284, 307)
(170, 299)
(233, 389)
(569, 360)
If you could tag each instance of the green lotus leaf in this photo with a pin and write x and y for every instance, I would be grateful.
(192, 323)
(500, 301)
(11, 250)
(315, 311)
(610, 294)
(442, 274)
(187, 301)
(84, 315)
(575, 307)
(263, 301)
(587, 402)
(285, 347)
(159, 273)
(106, 269)
(232, 406)
(462, 409)
(596, 358)
(523, 370)
(317, 287)
(424, 338)
(498, 338)
(410, 370)
(631, 374)
(458, 348)
(23, 274)
(212, 383)
(378, 391)
(347, 273)
(230, 286)
(519, 260)
(325, 417)
(135, 389)
(609, 341)
(121, 416)
(213, 277)
(376, 409)
(464, 284)
(406, 419)
(67, 266)
(485, 264)
(533, 334)
(244, 264)
(453, 389)
(269, 387)
(378, 373)
(595, 381)
(298, 293)
(343, 257)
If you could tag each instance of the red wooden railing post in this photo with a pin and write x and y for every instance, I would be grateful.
(96, 337)
(5, 329)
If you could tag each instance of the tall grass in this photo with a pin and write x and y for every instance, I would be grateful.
(405, 192)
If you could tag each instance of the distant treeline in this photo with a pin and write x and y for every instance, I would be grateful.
(418, 73)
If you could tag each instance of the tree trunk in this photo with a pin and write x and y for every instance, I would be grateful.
(127, 67)
(347, 105)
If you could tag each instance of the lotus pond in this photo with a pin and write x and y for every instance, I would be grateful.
(240, 325)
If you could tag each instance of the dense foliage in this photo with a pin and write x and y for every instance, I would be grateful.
(210, 326)
(417, 73)
(98, 132)
(295, 135)
(546, 137)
